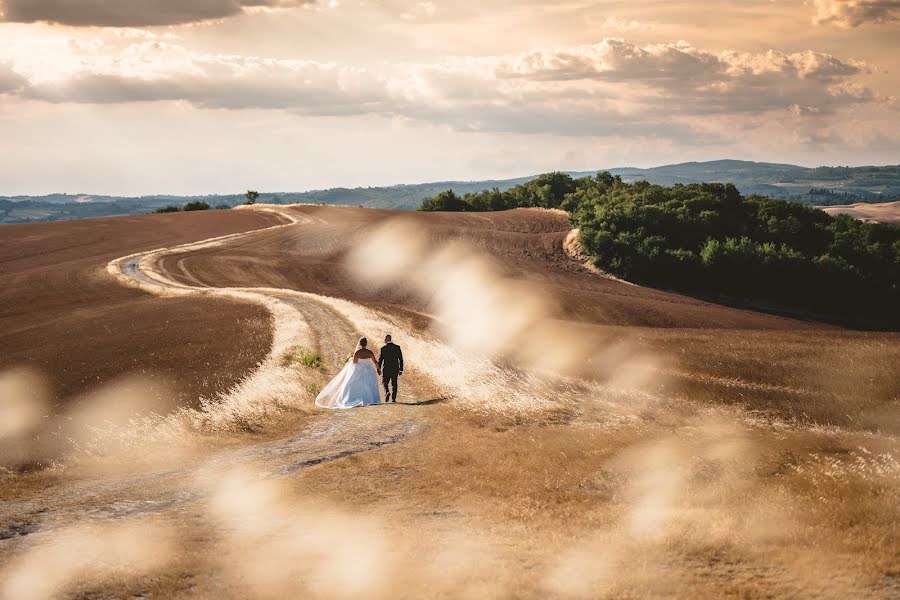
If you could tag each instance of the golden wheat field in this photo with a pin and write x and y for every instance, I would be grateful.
(559, 433)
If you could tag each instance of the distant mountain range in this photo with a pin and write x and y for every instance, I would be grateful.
(824, 186)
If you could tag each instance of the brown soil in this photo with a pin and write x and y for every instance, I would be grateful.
(60, 313)
(527, 243)
(884, 212)
(776, 364)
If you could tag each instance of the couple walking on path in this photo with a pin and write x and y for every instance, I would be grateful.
(357, 383)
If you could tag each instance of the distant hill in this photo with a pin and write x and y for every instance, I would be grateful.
(812, 186)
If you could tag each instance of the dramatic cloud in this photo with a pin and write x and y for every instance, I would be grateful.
(853, 13)
(678, 64)
(612, 87)
(693, 80)
(427, 89)
(131, 13)
(158, 71)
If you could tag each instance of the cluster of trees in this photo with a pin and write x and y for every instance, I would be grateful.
(708, 239)
(190, 206)
(547, 191)
(829, 197)
(250, 198)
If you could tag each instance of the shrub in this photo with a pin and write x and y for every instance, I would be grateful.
(199, 205)
(168, 209)
(302, 356)
(445, 201)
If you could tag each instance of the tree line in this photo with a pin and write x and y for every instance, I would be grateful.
(707, 239)
(251, 198)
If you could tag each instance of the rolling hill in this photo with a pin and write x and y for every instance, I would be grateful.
(813, 186)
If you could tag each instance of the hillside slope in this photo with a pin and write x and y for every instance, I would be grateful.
(708, 345)
(822, 185)
(61, 315)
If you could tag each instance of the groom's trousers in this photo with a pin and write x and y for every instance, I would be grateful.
(389, 380)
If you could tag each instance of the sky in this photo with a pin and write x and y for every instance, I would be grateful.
(133, 97)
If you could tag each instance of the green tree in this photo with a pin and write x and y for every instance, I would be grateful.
(445, 201)
(198, 205)
(252, 196)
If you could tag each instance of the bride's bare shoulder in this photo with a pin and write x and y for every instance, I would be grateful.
(364, 353)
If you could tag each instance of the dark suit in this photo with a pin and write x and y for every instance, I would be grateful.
(390, 361)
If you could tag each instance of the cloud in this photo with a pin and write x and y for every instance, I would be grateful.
(158, 71)
(692, 80)
(678, 63)
(853, 13)
(10, 81)
(132, 13)
(612, 88)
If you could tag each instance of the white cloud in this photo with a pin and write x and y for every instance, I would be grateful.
(610, 88)
(853, 13)
(685, 79)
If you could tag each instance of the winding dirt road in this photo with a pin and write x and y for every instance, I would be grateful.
(87, 498)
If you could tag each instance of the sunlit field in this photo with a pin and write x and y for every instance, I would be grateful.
(634, 268)
(542, 446)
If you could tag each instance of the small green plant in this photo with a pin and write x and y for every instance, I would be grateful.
(313, 389)
(304, 357)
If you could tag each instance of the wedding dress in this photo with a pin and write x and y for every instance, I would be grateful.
(356, 385)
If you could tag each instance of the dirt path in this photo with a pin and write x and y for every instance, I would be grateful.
(330, 332)
(324, 437)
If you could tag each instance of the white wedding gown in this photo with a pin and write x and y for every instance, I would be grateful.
(356, 385)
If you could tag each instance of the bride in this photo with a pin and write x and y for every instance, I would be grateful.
(356, 384)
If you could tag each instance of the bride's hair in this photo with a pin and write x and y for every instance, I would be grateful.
(363, 342)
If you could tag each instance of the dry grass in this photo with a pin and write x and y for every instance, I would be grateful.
(706, 506)
(671, 462)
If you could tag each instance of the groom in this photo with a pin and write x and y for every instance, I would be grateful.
(390, 361)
